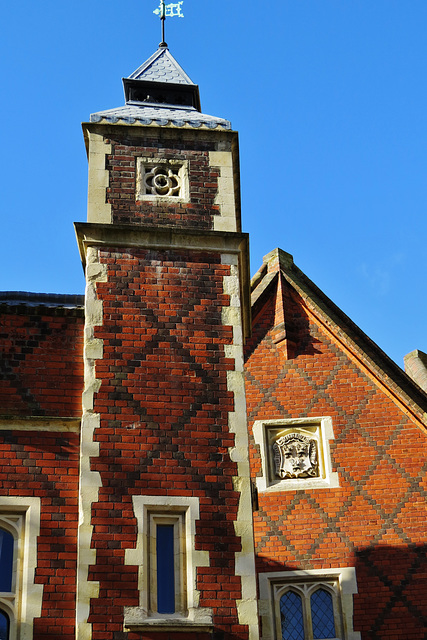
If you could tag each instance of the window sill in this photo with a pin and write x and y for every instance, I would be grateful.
(137, 620)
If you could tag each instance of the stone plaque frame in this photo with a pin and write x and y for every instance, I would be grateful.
(314, 435)
(148, 170)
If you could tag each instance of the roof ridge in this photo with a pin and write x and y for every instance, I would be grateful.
(29, 298)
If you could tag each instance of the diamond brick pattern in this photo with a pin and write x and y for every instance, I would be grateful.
(41, 362)
(375, 520)
(164, 405)
(355, 454)
(46, 465)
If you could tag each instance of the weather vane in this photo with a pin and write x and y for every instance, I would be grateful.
(174, 9)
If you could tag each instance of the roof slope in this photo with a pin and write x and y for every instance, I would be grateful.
(161, 67)
(25, 299)
(160, 116)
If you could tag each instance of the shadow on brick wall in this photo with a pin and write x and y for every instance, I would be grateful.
(392, 592)
(391, 602)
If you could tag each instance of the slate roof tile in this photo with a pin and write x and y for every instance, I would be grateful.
(161, 67)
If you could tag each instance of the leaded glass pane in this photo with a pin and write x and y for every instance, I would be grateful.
(291, 616)
(322, 615)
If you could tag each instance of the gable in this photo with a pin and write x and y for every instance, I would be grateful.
(306, 313)
(305, 367)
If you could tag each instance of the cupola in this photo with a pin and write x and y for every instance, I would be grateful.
(160, 92)
(161, 80)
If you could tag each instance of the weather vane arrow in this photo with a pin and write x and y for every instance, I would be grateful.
(174, 9)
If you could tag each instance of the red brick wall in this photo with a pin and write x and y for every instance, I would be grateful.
(164, 423)
(375, 520)
(41, 362)
(203, 180)
(45, 465)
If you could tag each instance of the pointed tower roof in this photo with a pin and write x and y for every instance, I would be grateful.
(161, 67)
(160, 92)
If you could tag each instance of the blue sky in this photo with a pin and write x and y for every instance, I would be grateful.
(330, 101)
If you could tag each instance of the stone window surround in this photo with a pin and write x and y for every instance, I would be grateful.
(186, 509)
(9, 600)
(273, 585)
(321, 427)
(304, 591)
(21, 517)
(142, 164)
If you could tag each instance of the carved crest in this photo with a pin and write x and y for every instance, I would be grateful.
(295, 456)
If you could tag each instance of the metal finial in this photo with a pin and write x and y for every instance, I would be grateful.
(168, 10)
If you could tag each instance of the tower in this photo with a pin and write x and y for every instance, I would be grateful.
(165, 537)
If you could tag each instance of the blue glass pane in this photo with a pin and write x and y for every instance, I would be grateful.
(291, 617)
(165, 569)
(322, 615)
(4, 626)
(6, 560)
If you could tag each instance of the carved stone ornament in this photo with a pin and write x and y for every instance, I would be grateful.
(162, 180)
(295, 456)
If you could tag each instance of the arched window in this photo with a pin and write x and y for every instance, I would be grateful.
(322, 614)
(10, 527)
(309, 604)
(7, 545)
(309, 611)
(291, 616)
(6, 561)
(19, 528)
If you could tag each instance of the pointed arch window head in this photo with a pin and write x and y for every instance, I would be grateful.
(310, 611)
(291, 615)
(322, 614)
